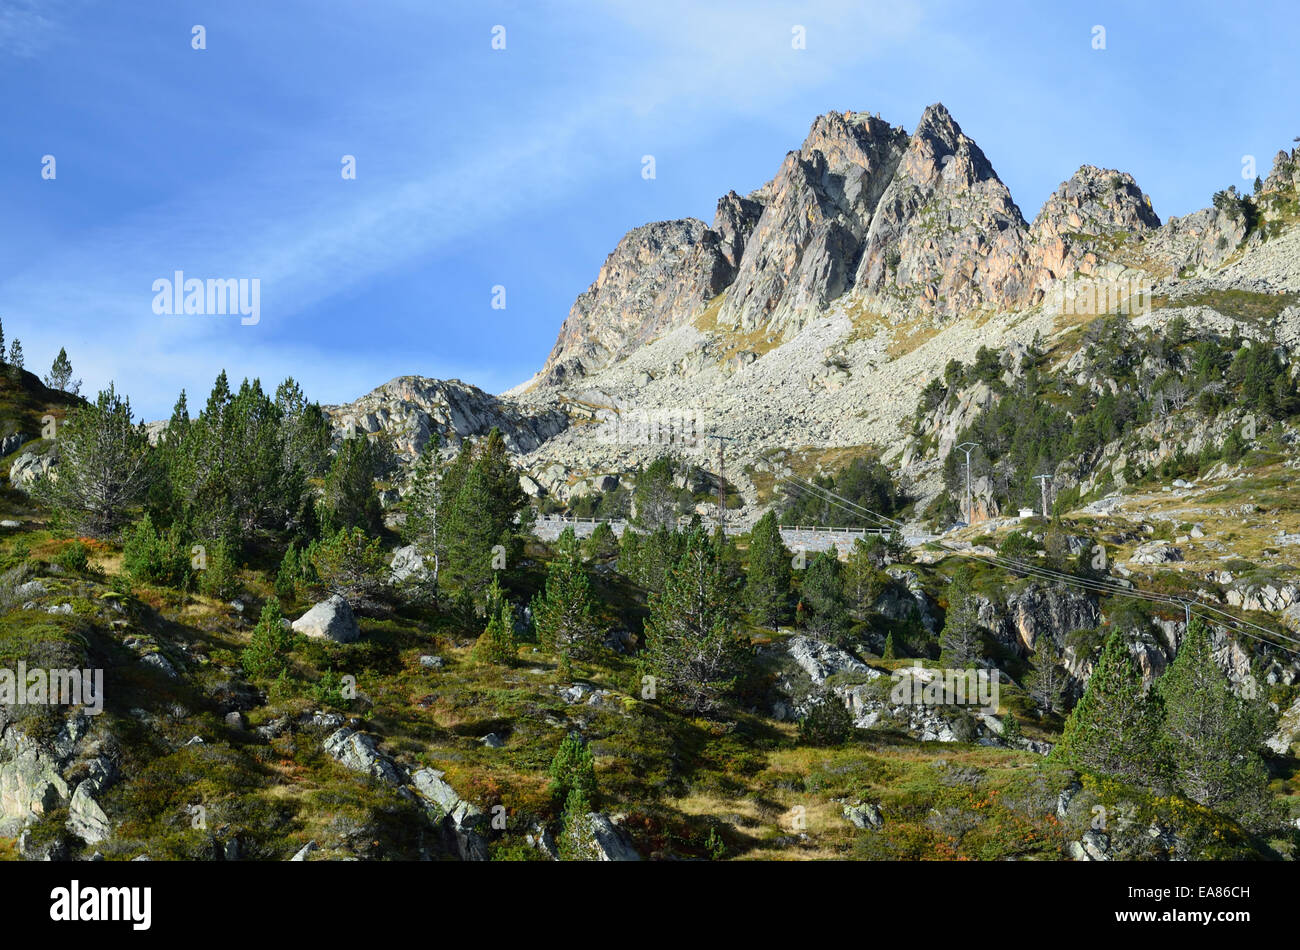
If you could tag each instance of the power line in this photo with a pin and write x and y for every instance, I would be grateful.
(1091, 585)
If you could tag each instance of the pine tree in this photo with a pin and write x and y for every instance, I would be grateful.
(822, 592)
(890, 653)
(864, 581)
(480, 501)
(654, 498)
(228, 471)
(497, 644)
(2, 343)
(730, 564)
(15, 361)
(767, 588)
(424, 504)
(1011, 733)
(60, 376)
(573, 768)
(1047, 677)
(1115, 727)
(220, 578)
(103, 469)
(601, 543)
(507, 500)
(827, 721)
(961, 640)
(267, 653)
(1212, 734)
(576, 839)
(349, 499)
(350, 564)
(289, 575)
(562, 611)
(691, 645)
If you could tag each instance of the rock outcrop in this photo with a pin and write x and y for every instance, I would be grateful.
(412, 408)
(1095, 203)
(660, 274)
(947, 238)
(805, 246)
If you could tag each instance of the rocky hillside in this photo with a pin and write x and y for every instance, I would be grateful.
(410, 409)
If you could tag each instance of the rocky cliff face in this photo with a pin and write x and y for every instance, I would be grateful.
(947, 238)
(1095, 203)
(866, 215)
(810, 313)
(817, 209)
(660, 275)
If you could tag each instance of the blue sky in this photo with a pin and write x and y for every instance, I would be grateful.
(522, 167)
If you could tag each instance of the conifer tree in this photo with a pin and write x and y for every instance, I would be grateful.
(290, 573)
(480, 502)
(15, 361)
(601, 543)
(267, 653)
(1212, 735)
(496, 644)
(767, 587)
(864, 581)
(576, 839)
(822, 592)
(691, 644)
(424, 504)
(60, 376)
(1115, 727)
(573, 768)
(827, 721)
(1047, 677)
(961, 640)
(103, 470)
(349, 499)
(562, 611)
(654, 498)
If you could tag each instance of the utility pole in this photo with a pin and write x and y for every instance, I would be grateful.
(722, 482)
(1042, 481)
(970, 508)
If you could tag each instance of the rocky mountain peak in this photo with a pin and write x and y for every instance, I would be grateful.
(1093, 203)
(660, 274)
(816, 210)
(946, 237)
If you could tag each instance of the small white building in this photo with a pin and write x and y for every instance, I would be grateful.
(1026, 513)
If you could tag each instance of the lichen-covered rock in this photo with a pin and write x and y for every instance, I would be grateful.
(358, 752)
(30, 782)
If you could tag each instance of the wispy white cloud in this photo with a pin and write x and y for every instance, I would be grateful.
(311, 243)
(26, 30)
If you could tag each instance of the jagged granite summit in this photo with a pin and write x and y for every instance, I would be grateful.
(810, 313)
